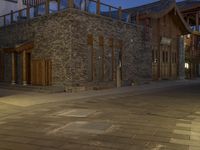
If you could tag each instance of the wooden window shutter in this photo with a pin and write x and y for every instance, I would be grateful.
(90, 39)
(101, 41)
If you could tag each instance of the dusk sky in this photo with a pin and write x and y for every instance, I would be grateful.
(128, 3)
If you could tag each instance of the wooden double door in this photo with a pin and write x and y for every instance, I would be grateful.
(164, 63)
(41, 72)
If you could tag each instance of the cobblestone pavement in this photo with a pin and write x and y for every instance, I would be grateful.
(160, 119)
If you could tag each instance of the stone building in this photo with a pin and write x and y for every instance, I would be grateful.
(83, 44)
(190, 10)
(168, 27)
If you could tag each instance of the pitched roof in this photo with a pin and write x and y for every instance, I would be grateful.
(159, 9)
(155, 7)
(188, 4)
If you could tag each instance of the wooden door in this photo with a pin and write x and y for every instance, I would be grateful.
(41, 72)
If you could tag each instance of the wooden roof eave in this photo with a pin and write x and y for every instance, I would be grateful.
(182, 9)
(186, 28)
(20, 48)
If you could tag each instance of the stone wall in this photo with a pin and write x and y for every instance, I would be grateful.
(62, 37)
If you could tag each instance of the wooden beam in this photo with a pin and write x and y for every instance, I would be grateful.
(98, 9)
(70, 3)
(13, 68)
(20, 48)
(197, 21)
(58, 1)
(120, 13)
(24, 78)
(47, 7)
(11, 16)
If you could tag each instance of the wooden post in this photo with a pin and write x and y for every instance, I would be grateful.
(197, 21)
(120, 13)
(11, 16)
(24, 68)
(98, 7)
(70, 3)
(13, 68)
(110, 11)
(20, 13)
(137, 18)
(58, 2)
(47, 7)
(28, 12)
(4, 20)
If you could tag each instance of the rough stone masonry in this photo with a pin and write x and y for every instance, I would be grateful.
(63, 38)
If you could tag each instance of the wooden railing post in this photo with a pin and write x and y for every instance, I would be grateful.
(47, 7)
(20, 13)
(24, 79)
(11, 16)
(110, 11)
(58, 2)
(28, 12)
(13, 68)
(120, 13)
(98, 7)
(4, 20)
(70, 3)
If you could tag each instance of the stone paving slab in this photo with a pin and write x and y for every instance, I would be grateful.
(160, 119)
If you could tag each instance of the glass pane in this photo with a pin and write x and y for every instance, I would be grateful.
(8, 19)
(15, 16)
(53, 7)
(104, 10)
(41, 9)
(63, 4)
(1, 21)
(92, 7)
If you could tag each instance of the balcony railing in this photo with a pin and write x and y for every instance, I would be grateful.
(49, 6)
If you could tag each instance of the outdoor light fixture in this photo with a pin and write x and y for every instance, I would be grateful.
(188, 36)
(186, 65)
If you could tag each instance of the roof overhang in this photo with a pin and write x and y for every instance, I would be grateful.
(26, 46)
(185, 27)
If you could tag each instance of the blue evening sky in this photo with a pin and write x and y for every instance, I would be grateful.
(128, 3)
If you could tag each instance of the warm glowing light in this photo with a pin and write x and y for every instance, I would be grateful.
(188, 36)
(186, 65)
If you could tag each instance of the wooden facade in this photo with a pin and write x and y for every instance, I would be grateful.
(167, 27)
(24, 70)
(191, 13)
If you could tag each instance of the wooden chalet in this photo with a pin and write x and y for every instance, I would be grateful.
(190, 10)
(168, 26)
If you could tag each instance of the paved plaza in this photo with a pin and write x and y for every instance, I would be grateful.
(157, 116)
